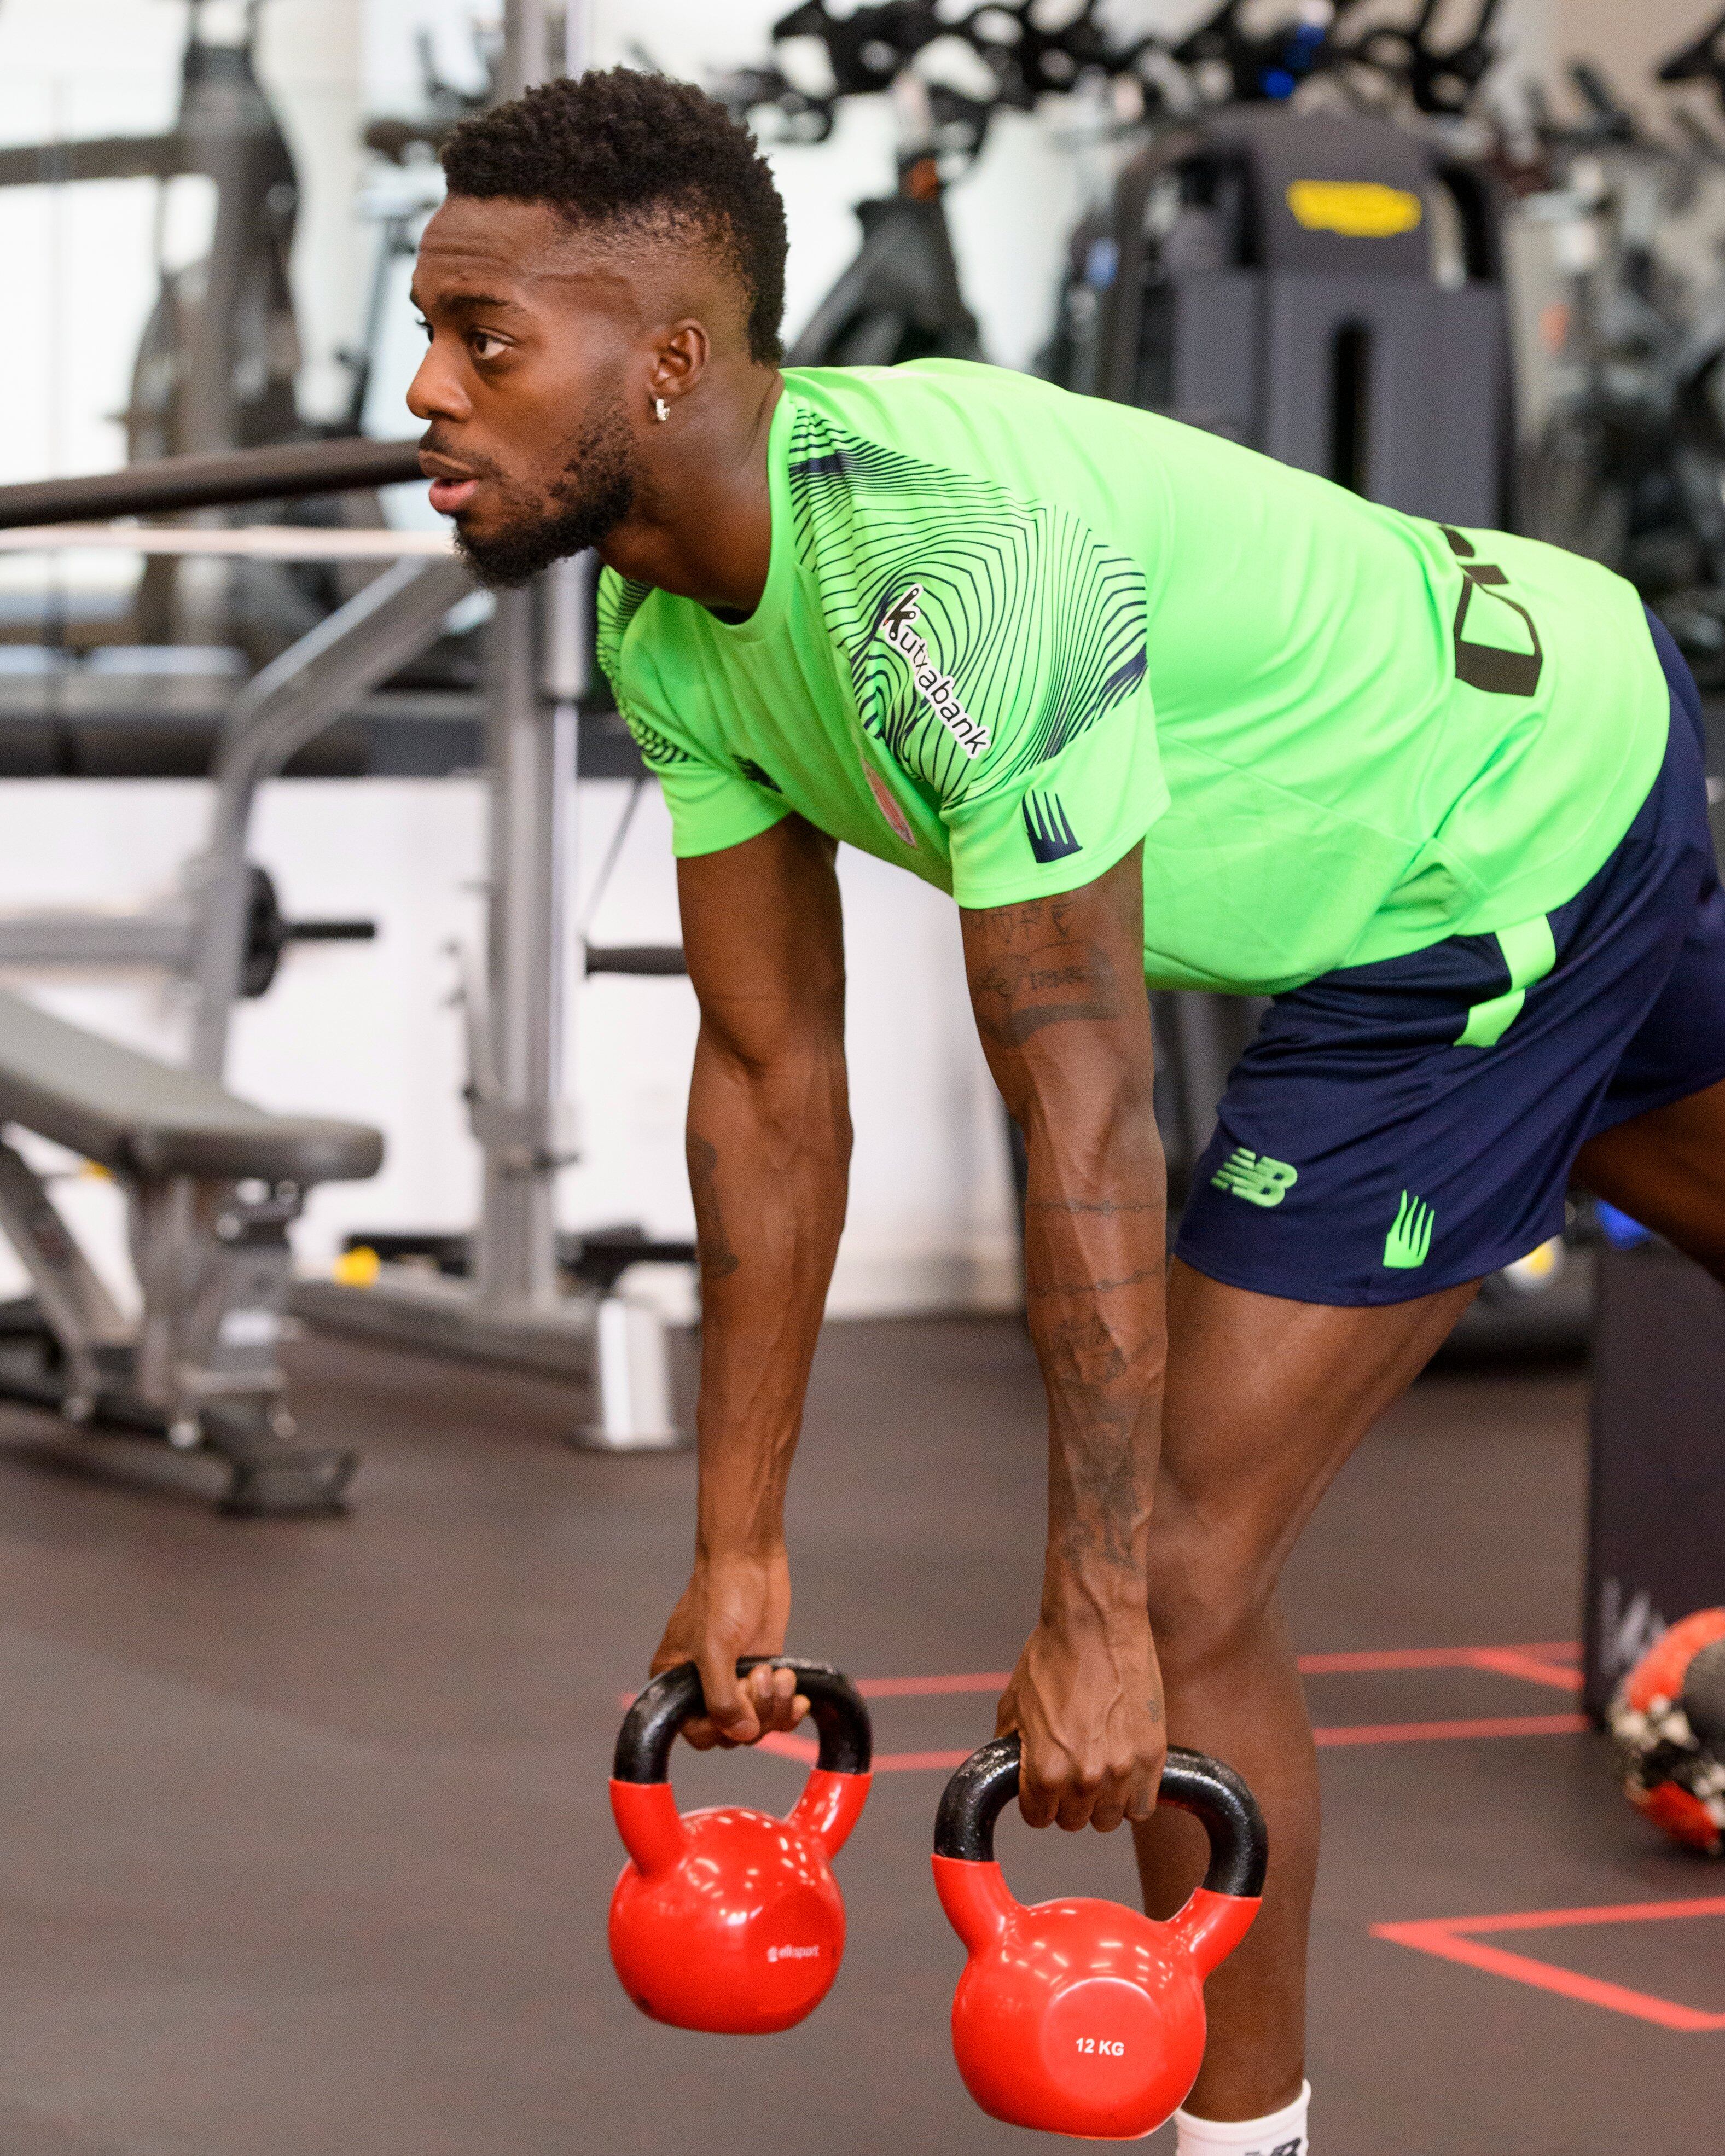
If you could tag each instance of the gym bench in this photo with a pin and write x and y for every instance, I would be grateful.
(211, 1184)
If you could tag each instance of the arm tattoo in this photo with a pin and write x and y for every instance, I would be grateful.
(1104, 1209)
(718, 1260)
(1036, 1290)
(1020, 992)
(1094, 1247)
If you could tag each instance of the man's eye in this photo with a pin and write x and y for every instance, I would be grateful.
(485, 346)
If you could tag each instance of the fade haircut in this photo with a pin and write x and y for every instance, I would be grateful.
(622, 148)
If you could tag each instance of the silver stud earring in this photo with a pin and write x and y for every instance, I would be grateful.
(661, 410)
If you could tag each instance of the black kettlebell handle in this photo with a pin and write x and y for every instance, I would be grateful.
(1214, 1795)
(649, 1729)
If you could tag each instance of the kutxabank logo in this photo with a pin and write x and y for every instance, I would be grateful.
(1047, 827)
(897, 626)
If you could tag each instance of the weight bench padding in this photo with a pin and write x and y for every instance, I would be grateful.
(141, 1118)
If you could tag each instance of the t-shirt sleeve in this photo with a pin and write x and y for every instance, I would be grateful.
(1011, 675)
(713, 803)
(1048, 824)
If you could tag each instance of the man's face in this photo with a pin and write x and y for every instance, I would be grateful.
(529, 445)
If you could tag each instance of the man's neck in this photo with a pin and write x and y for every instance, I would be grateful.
(703, 522)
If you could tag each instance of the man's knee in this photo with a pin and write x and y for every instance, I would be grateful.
(1210, 1588)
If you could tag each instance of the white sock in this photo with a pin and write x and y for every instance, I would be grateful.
(1283, 2133)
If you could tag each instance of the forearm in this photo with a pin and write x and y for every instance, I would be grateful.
(769, 1154)
(1095, 1267)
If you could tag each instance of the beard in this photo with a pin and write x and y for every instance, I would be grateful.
(594, 492)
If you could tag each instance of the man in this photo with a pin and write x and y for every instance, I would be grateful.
(1146, 703)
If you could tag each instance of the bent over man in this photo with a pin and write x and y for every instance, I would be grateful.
(1152, 708)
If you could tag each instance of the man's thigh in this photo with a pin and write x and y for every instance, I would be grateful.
(1264, 1400)
(1667, 1169)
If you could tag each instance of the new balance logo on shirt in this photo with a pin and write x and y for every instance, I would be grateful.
(1254, 1177)
(1050, 835)
(898, 627)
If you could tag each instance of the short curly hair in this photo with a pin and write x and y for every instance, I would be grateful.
(619, 146)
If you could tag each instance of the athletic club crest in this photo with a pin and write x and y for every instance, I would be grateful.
(889, 807)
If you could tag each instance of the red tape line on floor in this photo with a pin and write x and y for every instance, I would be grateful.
(805, 1749)
(1454, 1939)
(1438, 1732)
(1550, 1665)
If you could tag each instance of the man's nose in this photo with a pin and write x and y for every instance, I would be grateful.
(435, 392)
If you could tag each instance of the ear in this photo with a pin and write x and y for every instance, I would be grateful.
(679, 359)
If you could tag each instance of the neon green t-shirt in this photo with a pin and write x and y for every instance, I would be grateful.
(1006, 633)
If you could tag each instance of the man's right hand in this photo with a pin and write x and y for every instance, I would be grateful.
(735, 1606)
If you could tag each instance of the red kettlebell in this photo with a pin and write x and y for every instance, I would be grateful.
(1083, 2017)
(729, 1920)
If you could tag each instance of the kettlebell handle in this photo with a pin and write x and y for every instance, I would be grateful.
(674, 1697)
(1214, 1794)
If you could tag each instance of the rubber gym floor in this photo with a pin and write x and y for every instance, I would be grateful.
(306, 1849)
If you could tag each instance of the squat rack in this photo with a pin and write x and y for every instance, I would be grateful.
(512, 1309)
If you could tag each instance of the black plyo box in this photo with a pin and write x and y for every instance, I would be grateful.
(1655, 1548)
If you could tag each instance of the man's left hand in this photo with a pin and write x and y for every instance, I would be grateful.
(1087, 1706)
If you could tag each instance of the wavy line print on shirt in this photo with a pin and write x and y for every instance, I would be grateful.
(1010, 591)
(756, 776)
(1048, 828)
(618, 603)
(657, 749)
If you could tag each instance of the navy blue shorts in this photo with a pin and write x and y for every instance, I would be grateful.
(1405, 1126)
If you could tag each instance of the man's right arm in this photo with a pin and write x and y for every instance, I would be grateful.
(769, 1150)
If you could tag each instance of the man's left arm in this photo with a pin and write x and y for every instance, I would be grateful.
(1058, 988)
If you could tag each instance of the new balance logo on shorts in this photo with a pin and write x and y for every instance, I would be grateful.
(1256, 1177)
(1047, 828)
(1408, 1244)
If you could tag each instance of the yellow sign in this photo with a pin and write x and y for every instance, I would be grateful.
(356, 1268)
(1358, 209)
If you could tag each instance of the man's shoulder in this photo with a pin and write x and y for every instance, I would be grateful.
(942, 412)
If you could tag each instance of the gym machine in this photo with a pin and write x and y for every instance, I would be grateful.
(1325, 290)
(216, 364)
(1628, 465)
(212, 1184)
(511, 1308)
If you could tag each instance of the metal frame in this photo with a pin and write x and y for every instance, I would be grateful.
(511, 1310)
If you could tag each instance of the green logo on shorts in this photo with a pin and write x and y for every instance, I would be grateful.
(1256, 1177)
(1408, 1244)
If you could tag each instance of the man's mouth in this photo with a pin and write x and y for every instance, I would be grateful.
(453, 485)
(448, 497)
